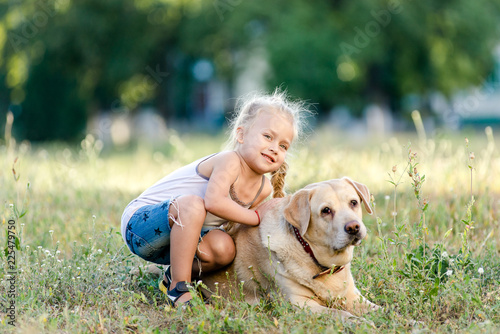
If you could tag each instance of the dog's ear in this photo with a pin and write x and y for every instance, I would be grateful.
(298, 210)
(363, 192)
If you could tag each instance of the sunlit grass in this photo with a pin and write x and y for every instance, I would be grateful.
(434, 259)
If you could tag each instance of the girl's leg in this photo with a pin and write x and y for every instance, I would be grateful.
(187, 217)
(216, 250)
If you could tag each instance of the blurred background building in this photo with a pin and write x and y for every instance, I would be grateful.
(121, 69)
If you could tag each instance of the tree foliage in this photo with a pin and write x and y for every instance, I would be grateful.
(378, 51)
(63, 60)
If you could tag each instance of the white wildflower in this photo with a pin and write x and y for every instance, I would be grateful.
(480, 270)
(449, 272)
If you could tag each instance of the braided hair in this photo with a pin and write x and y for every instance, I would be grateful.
(278, 181)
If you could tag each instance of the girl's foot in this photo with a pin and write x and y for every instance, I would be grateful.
(180, 295)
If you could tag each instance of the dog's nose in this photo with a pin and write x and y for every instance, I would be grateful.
(352, 227)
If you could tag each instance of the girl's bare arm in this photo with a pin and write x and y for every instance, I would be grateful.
(226, 168)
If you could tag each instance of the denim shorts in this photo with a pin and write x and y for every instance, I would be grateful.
(148, 233)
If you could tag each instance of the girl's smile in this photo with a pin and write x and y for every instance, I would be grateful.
(268, 158)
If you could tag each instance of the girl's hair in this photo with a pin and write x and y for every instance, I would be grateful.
(249, 107)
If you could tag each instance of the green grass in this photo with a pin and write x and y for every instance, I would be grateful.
(421, 260)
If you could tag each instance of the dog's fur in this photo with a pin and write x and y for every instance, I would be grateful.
(270, 257)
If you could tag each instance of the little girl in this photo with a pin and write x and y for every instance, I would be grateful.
(181, 219)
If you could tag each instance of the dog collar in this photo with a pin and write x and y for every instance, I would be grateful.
(307, 248)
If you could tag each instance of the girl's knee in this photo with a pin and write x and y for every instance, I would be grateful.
(223, 250)
(188, 209)
(216, 249)
(194, 201)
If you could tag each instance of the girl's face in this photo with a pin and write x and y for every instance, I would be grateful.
(265, 143)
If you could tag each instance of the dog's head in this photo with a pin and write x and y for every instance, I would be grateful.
(329, 217)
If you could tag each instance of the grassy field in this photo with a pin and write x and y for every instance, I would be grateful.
(432, 252)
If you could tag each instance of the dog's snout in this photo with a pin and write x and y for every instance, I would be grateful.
(352, 227)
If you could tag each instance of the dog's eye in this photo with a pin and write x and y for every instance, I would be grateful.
(354, 202)
(326, 211)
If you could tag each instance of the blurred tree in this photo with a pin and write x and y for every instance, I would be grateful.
(63, 60)
(366, 51)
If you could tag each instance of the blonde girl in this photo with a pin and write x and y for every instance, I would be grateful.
(181, 219)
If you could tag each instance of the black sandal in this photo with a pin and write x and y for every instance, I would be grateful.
(180, 289)
(164, 285)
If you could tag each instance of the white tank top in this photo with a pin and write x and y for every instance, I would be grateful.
(184, 181)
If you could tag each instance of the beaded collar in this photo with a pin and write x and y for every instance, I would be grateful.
(235, 198)
(307, 248)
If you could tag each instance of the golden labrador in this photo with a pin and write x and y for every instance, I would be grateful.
(302, 249)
